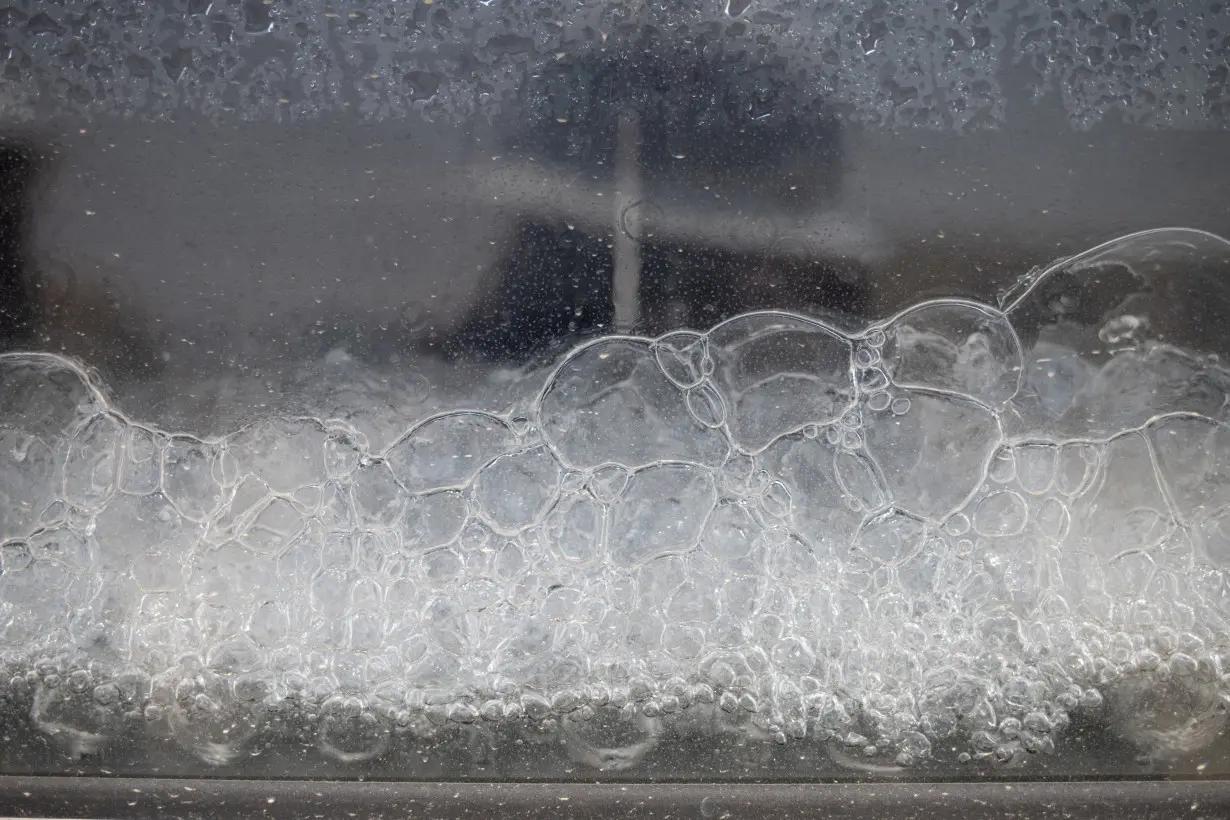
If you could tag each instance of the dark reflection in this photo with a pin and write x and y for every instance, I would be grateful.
(706, 116)
(50, 306)
(698, 287)
(554, 283)
(554, 289)
(682, 131)
(1078, 300)
(19, 167)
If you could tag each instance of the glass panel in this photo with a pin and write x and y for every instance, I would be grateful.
(724, 391)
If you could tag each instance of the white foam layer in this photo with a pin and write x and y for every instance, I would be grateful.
(913, 534)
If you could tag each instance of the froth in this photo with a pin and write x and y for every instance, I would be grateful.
(896, 543)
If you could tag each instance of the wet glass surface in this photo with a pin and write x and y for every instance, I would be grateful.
(769, 391)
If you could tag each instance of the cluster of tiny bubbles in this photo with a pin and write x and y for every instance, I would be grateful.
(892, 62)
(773, 529)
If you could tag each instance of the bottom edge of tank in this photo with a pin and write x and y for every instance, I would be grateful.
(95, 797)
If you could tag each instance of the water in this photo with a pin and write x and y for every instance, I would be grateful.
(947, 537)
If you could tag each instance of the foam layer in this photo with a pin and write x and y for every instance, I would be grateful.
(915, 537)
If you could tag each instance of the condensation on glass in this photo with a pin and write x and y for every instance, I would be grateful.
(439, 390)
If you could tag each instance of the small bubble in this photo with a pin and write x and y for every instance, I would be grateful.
(15, 556)
(1183, 664)
(640, 219)
(706, 406)
(1037, 722)
(1001, 513)
(879, 402)
(1003, 466)
(1147, 659)
(608, 482)
(572, 482)
(900, 406)
(1053, 519)
(106, 694)
(736, 8)
(702, 693)
(536, 706)
(865, 357)
(680, 357)
(957, 524)
(776, 500)
(873, 380)
(983, 742)
(462, 713)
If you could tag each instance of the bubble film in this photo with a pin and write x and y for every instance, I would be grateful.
(944, 539)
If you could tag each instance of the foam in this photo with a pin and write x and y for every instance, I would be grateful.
(894, 541)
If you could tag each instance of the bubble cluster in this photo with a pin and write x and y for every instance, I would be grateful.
(1102, 56)
(894, 62)
(889, 542)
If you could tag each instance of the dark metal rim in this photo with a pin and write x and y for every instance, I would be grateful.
(150, 797)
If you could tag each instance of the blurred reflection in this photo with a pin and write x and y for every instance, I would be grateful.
(648, 140)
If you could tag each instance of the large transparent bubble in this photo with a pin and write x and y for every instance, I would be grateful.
(944, 539)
